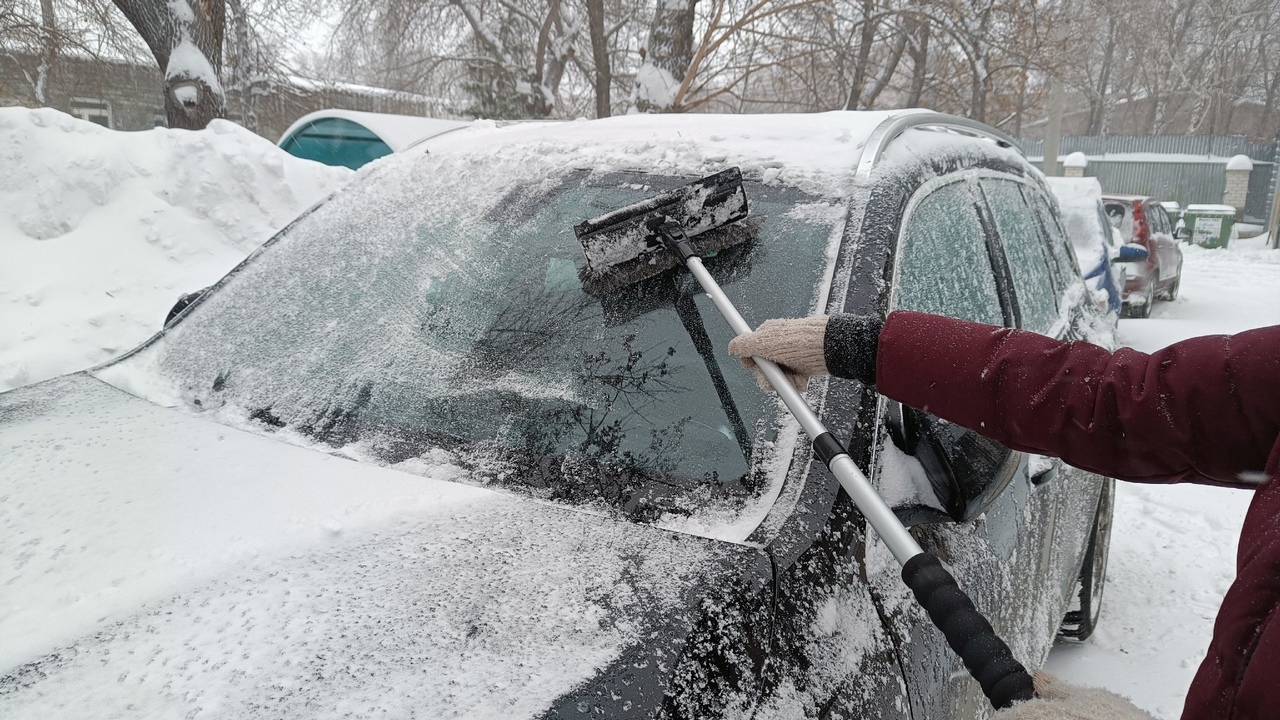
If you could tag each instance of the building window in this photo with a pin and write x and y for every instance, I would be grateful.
(92, 109)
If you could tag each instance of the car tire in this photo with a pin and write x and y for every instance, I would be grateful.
(1143, 310)
(1079, 624)
(1171, 294)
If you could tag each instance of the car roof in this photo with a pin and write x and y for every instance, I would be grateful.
(796, 147)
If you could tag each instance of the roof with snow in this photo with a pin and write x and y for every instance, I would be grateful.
(811, 150)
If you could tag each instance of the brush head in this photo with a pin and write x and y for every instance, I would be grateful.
(623, 247)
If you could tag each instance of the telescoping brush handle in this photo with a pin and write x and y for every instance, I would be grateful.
(1003, 679)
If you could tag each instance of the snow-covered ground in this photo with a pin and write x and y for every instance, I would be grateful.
(1173, 548)
(101, 231)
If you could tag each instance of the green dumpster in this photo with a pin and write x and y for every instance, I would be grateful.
(1212, 226)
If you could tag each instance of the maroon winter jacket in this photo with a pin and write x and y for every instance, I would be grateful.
(1204, 410)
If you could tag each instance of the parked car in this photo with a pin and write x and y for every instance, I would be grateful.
(1142, 220)
(1097, 243)
(398, 462)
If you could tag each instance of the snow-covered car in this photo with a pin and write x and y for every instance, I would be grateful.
(398, 463)
(1097, 243)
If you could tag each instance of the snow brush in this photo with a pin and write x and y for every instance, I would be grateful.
(677, 227)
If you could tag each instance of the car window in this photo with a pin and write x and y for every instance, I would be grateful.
(943, 264)
(433, 313)
(1025, 250)
(1056, 238)
(1120, 214)
(944, 267)
(1161, 219)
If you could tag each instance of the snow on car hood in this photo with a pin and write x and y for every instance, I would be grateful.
(161, 565)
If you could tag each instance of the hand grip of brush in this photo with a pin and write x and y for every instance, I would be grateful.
(1003, 679)
(990, 662)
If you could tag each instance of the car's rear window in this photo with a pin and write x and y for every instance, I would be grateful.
(437, 308)
(1120, 213)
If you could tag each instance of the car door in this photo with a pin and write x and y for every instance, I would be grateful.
(945, 265)
(1034, 246)
(1162, 238)
(986, 246)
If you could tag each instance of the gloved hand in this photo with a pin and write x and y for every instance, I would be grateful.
(1056, 700)
(795, 345)
(843, 345)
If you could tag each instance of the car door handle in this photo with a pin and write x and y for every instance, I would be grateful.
(1042, 469)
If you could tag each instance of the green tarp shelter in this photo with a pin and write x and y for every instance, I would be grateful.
(349, 138)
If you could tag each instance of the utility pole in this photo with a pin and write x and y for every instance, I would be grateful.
(1273, 227)
(1053, 134)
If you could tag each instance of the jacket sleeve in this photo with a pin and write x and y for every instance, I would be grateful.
(1203, 410)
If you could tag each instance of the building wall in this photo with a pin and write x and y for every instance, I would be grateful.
(127, 96)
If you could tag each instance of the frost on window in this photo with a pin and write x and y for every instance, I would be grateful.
(437, 307)
(1025, 250)
(943, 266)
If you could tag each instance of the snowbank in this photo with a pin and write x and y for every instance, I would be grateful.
(101, 231)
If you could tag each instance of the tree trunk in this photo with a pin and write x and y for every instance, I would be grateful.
(551, 56)
(1097, 104)
(865, 40)
(667, 60)
(870, 95)
(186, 41)
(49, 50)
(600, 56)
(919, 61)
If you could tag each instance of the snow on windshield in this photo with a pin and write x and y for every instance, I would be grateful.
(437, 307)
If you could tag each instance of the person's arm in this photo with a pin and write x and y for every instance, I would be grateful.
(1205, 409)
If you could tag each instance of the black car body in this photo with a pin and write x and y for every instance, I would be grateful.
(640, 545)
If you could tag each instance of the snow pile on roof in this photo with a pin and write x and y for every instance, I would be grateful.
(816, 152)
(101, 231)
(1076, 160)
(1240, 162)
(1078, 198)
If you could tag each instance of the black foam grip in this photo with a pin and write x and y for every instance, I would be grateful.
(1003, 679)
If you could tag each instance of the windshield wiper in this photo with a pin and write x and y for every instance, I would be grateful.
(692, 321)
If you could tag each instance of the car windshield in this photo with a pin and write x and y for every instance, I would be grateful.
(435, 311)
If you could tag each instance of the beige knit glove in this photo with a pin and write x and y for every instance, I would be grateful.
(796, 345)
(1056, 700)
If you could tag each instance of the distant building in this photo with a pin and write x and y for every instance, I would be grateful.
(130, 96)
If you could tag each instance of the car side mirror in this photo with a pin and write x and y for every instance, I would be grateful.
(1131, 252)
(1182, 232)
(941, 447)
(182, 304)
